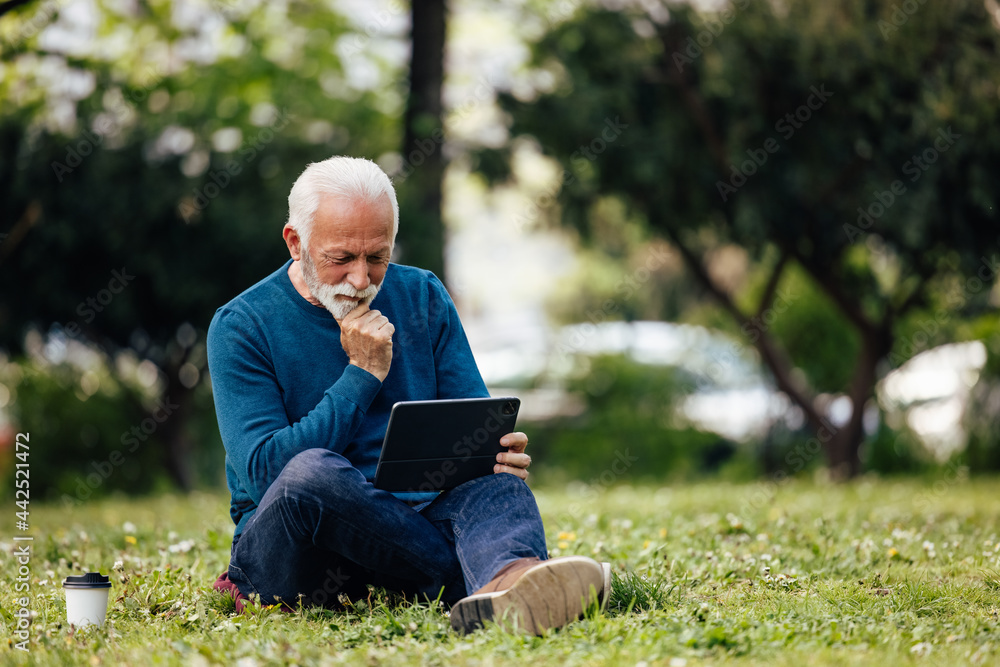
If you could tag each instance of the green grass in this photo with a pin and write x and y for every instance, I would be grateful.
(704, 574)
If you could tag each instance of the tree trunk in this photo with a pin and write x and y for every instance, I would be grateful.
(844, 447)
(421, 231)
(176, 445)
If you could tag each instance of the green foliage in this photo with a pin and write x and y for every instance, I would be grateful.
(982, 453)
(815, 335)
(628, 429)
(195, 219)
(82, 432)
(824, 133)
(169, 163)
(896, 451)
(647, 284)
(95, 432)
(868, 573)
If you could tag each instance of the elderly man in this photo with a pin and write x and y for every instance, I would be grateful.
(306, 366)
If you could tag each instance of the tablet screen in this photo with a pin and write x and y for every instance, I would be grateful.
(438, 445)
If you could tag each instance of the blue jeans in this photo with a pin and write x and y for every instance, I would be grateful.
(322, 529)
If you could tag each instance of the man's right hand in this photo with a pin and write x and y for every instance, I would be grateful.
(366, 336)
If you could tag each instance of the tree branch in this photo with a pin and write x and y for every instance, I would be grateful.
(17, 233)
(701, 274)
(781, 367)
(773, 357)
(671, 40)
(772, 283)
(850, 309)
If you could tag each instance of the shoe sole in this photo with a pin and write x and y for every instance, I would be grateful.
(605, 593)
(549, 595)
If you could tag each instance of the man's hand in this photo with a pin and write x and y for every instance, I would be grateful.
(514, 460)
(366, 336)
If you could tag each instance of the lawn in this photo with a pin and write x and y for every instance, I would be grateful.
(874, 572)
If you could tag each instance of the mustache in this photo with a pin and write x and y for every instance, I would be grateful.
(346, 289)
(311, 277)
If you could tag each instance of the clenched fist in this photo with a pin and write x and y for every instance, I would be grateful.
(366, 336)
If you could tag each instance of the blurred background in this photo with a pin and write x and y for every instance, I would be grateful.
(746, 239)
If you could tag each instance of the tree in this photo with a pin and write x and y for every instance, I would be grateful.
(163, 193)
(853, 141)
(421, 237)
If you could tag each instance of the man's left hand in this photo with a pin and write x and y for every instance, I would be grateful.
(514, 460)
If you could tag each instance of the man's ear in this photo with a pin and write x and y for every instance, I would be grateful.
(293, 242)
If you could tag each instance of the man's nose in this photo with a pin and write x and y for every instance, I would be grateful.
(357, 276)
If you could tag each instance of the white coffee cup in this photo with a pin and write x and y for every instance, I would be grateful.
(87, 599)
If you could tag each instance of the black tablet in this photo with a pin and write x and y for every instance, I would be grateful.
(437, 445)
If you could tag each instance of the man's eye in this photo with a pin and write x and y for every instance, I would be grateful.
(376, 259)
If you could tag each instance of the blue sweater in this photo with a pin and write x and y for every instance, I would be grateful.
(282, 382)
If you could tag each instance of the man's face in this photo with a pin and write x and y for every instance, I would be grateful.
(348, 253)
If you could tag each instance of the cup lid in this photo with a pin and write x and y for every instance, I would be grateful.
(89, 580)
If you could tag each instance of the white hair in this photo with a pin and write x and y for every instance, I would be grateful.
(351, 178)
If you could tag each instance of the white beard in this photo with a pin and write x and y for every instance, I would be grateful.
(327, 294)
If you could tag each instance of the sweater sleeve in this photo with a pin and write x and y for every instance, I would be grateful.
(255, 429)
(457, 373)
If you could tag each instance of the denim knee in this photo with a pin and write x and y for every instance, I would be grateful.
(504, 487)
(317, 471)
(505, 482)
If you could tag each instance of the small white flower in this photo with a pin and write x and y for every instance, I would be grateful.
(766, 557)
(118, 565)
(128, 528)
(181, 547)
(921, 649)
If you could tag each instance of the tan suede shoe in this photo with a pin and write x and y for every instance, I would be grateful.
(604, 594)
(533, 596)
